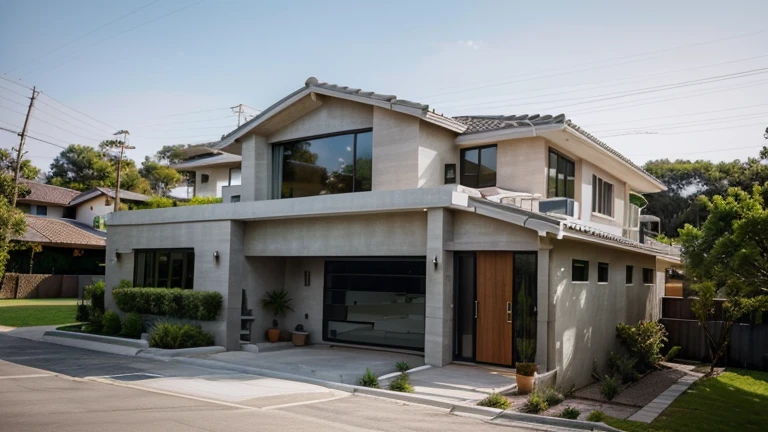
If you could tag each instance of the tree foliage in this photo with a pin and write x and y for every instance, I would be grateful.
(12, 221)
(8, 166)
(728, 258)
(82, 168)
(162, 178)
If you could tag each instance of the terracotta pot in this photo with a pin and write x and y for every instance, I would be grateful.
(524, 383)
(299, 338)
(273, 335)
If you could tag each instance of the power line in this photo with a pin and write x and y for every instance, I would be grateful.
(17, 112)
(591, 63)
(686, 132)
(81, 37)
(701, 152)
(67, 59)
(79, 112)
(191, 112)
(11, 100)
(14, 82)
(589, 125)
(100, 129)
(187, 122)
(14, 92)
(690, 123)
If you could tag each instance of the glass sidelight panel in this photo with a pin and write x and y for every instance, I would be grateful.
(464, 306)
(524, 283)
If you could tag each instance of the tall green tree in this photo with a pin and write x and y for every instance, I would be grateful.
(12, 222)
(8, 166)
(171, 154)
(162, 178)
(82, 168)
(728, 258)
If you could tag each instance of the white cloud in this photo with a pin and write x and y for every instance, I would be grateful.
(470, 44)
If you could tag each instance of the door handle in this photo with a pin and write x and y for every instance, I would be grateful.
(509, 312)
(475, 308)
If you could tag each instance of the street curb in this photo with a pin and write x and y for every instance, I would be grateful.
(555, 421)
(110, 340)
(89, 344)
(183, 352)
(405, 397)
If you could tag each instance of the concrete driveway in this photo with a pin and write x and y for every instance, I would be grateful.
(324, 362)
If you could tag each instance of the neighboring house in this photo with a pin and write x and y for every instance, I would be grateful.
(475, 238)
(100, 201)
(47, 200)
(213, 171)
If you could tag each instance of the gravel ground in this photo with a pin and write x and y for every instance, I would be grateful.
(587, 406)
(639, 394)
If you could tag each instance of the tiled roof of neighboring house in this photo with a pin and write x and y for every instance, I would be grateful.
(477, 124)
(62, 232)
(44, 193)
(487, 123)
(124, 195)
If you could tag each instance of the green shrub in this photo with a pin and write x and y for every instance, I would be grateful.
(495, 400)
(536, 403)
(201, 200)
(169, 335)
(82, 312)
(644, 342)
(525, 368)
(402, 366)
(673, 352)
(133, 326)
(369, 379)
(551, 395)
(95, 324)
(95, 293)
(610, 387)
(596, 416)
(570, 413)
(110, 324)
(623, 367)
(124, 283)
(173, 302)
(401, 384)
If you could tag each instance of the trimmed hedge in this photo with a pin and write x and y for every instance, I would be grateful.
(168, 335)
(172, 302)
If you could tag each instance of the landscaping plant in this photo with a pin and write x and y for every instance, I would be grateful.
(173, 302)
(369, 379)
(110, 324)
(133, 326)
(609, 387)
(596, 416)
(570, 413)
(401, 384)
(536, 403)
(401, 366)
(495, 400)
(673, 352)
(623, 366)
(170, 335)
(644, 342)
(277, 302)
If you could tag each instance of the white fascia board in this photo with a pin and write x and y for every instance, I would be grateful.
(505, 134)
(592, 239)
(445, 122)
(93, 194)
(601, 149)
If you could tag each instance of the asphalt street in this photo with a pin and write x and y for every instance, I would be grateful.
(48, 387)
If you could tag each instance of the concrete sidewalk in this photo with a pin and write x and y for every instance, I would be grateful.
(461, 383)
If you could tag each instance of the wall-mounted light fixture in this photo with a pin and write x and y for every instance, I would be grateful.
(307, 280)
(434, 261)
(216, 256)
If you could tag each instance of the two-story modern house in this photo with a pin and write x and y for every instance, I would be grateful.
(215, 173)
(474, 238)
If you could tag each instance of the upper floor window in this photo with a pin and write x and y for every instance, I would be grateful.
(478, 167)
(602, 196)
(321, 166)
(41, 210)
(648, 276)
(562, 176)
(580, 271)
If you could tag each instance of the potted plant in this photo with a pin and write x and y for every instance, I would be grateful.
(525, 371)
(278, 302)
(299, 336)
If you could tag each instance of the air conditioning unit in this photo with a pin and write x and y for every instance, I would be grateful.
(563, 206)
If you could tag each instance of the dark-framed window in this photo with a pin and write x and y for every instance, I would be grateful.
(603, 270)
(235, 174)
(580, 271)
(41, 210)
(602, 196)
(648, 276)
(204, 178)
(164, 268)
(630, 274)
(478, 166)
(562, 176)
(323, 165)
(234, 198)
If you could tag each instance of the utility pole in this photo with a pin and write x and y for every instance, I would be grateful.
(20, 151)
(123, 148)
(239, 111)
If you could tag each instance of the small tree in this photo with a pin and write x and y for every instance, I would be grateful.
(728, 258)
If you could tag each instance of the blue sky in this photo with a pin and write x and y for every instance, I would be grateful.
(478, 57)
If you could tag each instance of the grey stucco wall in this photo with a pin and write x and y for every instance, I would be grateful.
(335, 115)
(205, 238)
(586, 313)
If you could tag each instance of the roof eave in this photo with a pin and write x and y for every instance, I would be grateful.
(473, 138)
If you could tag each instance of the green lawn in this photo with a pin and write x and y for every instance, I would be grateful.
(735, 400)
(37, 312)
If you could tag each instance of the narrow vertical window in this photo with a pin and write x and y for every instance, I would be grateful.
(562, 176)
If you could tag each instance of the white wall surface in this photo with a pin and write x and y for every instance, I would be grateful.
(218, 177)
(87, 210)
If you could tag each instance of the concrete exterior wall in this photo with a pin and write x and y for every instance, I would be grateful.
(436, 148)
(586, 313)
(612, 224)
(385, 234)
(307, 300)
(335, 115)
(218, 177)
(395, 150)
(472, 232)
(205, 238)
(256, 169)
(97, 206)
(522, 166)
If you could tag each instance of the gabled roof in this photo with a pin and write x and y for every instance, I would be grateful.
(48, 194)
(62, 233)
(487, 123)
(124, 195)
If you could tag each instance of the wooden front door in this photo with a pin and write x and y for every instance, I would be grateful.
(494, 308)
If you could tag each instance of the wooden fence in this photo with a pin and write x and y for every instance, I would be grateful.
(748, 347)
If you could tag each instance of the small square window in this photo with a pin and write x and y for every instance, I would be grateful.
(234, 198)
(204, 178)
(41, 210)
(602, 272)
(580, 271)
(648, 276)
(630, 271)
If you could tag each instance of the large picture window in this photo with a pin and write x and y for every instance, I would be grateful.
(375, 302)
(326, 165)
(164, 268)
(602, 196)
(478, 167)
(562, 176)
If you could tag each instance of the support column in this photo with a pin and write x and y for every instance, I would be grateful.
(542, 309)
(256, 169)
(438, 326)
